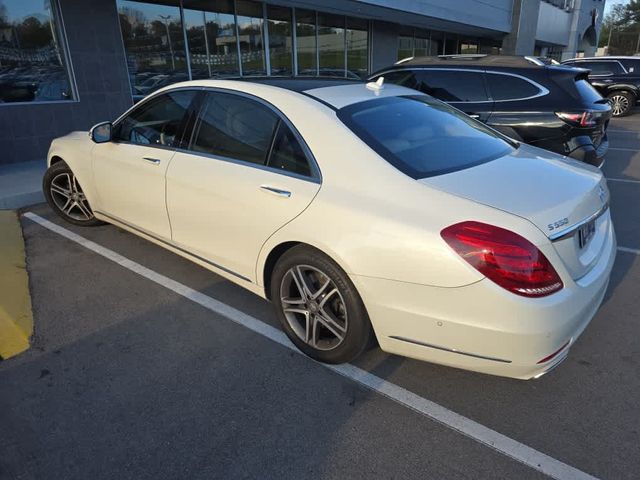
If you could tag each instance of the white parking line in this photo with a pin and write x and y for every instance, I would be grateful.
(501, 443)
(624, 180)
(629, 250)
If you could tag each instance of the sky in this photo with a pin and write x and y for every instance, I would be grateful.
(611, 3)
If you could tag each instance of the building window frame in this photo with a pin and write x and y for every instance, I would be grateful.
(61, 31)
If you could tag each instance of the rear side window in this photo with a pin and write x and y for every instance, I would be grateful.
(157, 122)
(287, 154)
(508, 87)
(632, 65)
(452, 85)
(601, 68)
(235, 127)
(423, 137)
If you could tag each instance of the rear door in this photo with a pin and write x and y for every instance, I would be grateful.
(246, 173)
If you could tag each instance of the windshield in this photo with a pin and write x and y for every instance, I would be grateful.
(423, 137)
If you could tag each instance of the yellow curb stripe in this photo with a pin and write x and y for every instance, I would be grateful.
(16, 317)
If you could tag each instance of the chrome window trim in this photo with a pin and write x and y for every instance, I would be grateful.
(316, 176)
(568, 232)
(542, 91)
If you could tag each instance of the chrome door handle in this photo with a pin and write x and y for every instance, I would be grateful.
(276, 191)
(155, 161)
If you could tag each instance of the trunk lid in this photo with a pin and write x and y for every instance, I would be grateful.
(555, 194)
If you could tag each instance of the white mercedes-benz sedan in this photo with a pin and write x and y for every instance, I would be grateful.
(358, 210)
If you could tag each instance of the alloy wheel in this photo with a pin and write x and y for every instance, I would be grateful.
(314, 307)
(619, 104)
(69, 197)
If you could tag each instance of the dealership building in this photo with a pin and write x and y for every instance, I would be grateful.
(68, 64)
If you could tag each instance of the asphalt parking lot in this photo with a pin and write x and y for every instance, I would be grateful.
(130, 379)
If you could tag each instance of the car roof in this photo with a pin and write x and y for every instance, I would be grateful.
(474, 60)
(301, 84)
(334, 93)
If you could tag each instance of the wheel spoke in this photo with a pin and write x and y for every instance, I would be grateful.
(84, 209)
(68, 207)
(59, 190)
(293, 301)
(301, 284)
(327, 297)
(311, 330)
(331, 325)
(321, 290)
(302, 311)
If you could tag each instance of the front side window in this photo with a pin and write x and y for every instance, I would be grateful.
(33, 63)
(157, 122)
(421, 136)
(453, 85)
(508, 87)
(236, 127)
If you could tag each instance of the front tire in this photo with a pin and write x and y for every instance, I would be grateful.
(65, 196)
(621, 103)
(318, 306)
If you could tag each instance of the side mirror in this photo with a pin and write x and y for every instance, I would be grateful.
(101, 133)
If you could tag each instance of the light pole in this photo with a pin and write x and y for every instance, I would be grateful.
(166, 26)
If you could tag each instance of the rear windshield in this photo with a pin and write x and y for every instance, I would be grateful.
(423, 137)
(587, 92)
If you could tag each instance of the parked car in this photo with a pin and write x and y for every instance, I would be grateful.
(357, 209)
(549, 106)
(616, 78)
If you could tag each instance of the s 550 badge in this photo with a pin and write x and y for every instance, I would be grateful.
(558, 224)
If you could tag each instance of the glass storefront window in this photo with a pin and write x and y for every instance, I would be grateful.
(280, 40)
(251, 37)
(468, 47)
(211, 35)
(437, 43)
(331, 40)
(405, 46)
(422, 47)
(357, 48)
(306, 42)
(33, 64)
(154, 44)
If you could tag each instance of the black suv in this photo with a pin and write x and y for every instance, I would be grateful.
(617, 78)
(548, 106)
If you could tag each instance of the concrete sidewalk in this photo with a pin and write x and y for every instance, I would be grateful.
(21, 184)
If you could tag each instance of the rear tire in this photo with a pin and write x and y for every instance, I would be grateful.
(65, 196)
(621, 102)
(318, 306)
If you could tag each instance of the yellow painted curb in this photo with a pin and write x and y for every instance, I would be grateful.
(16, 317)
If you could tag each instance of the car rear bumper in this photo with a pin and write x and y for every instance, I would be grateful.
(582, 148)
(482, 327)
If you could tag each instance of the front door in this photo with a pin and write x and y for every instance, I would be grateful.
(130, 170)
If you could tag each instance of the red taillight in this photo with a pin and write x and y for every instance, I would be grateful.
(504, 257)
(579, 119)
